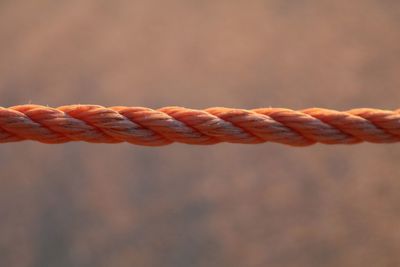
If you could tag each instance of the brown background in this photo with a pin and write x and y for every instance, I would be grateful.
(225, 205)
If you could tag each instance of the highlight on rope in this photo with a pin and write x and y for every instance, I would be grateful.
(157, 127)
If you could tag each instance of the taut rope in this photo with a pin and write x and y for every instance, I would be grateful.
(156, 127)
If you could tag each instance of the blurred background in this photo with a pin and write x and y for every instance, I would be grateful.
(122, 205)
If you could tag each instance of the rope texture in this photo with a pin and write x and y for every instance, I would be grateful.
(149, 127)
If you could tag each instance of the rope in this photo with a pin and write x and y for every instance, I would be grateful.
(144, 126)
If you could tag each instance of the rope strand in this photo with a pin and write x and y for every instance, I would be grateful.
(148, 127)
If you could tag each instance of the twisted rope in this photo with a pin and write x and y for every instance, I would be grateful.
(144, 126)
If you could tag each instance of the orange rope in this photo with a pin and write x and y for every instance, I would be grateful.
(144, 126)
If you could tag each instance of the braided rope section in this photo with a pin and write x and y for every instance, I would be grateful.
(149, 127)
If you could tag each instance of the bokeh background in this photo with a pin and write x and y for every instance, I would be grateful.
(122, 205)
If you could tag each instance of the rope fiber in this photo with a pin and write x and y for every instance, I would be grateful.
(156, 127)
